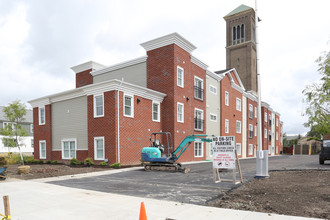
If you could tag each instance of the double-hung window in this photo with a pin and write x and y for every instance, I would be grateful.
(98, 106)
(156, 111)
(238, 104)
(266, 117)
(226, 126)
(69, 148)
(238, 127)
(250, 111)
(99, 148)
(250, 149)
(42, 149)
(255, 131)
(238, 149)
(265, 133)
(42, 117)
(199, 91)
(255, 112)
(199, 122)
(180, 112)
(128, 105)
(250, 131)
(180, 77)
(198, 149)
(226, 98)
(213, 117)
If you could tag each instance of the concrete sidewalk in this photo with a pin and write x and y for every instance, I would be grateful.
(35, 199)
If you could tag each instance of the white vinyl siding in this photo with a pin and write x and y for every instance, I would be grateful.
(99, 148)
(42, 149)
(98, 106)
(128, 105)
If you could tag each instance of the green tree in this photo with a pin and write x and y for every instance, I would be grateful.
(317, 98)
(13, 132)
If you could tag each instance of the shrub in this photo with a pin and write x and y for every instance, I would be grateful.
(54, 162)
(89, 161)
(3, 161)
(29, 160)
(115, 165)
(74, 161)
(103, 163)
(48, 162)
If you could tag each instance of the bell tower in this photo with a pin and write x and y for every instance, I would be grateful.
(241, 51)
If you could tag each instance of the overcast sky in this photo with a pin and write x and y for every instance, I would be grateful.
(40, 40)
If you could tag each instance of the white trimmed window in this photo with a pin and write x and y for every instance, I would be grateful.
(156, 111)
(180, 77)
(255, 131)
(266, 117)
(98, 148)
(213, 89)
(238, 104)
(180, 112)
(42, 149)
(250, 131)
(128, 105)
(213, 117)
(276, 135)
(239, 149)
(250, 151)
(69, 148)
(250, 111)
(42, 116)
(9, 125)
(276, 122)
(226, 126)
(199, 90)
(265, 133)
(255, 112)
(98, 106)
(226, 98)
(199, 122)
(238, 127)
(198, 149)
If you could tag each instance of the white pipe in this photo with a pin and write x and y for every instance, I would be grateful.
(118, 112)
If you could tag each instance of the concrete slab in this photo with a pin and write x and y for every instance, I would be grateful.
(39, 201)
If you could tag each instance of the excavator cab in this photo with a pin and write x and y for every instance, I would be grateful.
(162, 141)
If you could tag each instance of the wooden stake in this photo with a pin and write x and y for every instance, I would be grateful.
(6, 205)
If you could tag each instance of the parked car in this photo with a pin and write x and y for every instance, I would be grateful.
(325, 151)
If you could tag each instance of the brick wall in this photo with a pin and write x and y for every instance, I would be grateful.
(254, 122)
(84, 78)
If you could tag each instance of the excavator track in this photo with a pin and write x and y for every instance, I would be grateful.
(171, 167)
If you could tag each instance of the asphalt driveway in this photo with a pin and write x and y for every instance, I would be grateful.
(195, 187)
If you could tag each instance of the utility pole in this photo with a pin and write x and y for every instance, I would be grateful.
(262, 155)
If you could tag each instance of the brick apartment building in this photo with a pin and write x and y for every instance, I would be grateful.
(114, 109)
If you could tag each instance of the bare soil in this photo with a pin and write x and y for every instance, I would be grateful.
(49, 170)
(299, 193)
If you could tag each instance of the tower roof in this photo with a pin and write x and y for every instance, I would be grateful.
(239, 9)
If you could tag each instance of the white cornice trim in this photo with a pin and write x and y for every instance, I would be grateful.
(214, 75)
(120, 65)
(251, 96)
(97, 88)
(199, 63)
(173, 38)
(86, 66)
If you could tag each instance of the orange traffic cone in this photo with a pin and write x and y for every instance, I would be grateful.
(143, 214)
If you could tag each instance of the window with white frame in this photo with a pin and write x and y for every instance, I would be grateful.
(180, 112)
(250, 131)
(226, 98)
(213, 89)
(99, 148)
(255, 112)
(69, 148)
(250, 111)
(265, 133)
(42, 149)
(9, 125)
(255, 131)
(156, 111)
(42, 117)
(276, 122)
(98, 106)
(213, 117)
(31, 128)
(250, 151)
(266, 117)
(199, 122)
(238, 104)
(226, 126)
(199, 91)
(198, 149)
(238, 149)
(180, 77)
(128, 105)
(238, 127)
(276, 135)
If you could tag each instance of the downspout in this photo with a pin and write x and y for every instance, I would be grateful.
(118, 130)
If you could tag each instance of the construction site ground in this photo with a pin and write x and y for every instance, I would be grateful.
(297, 185)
